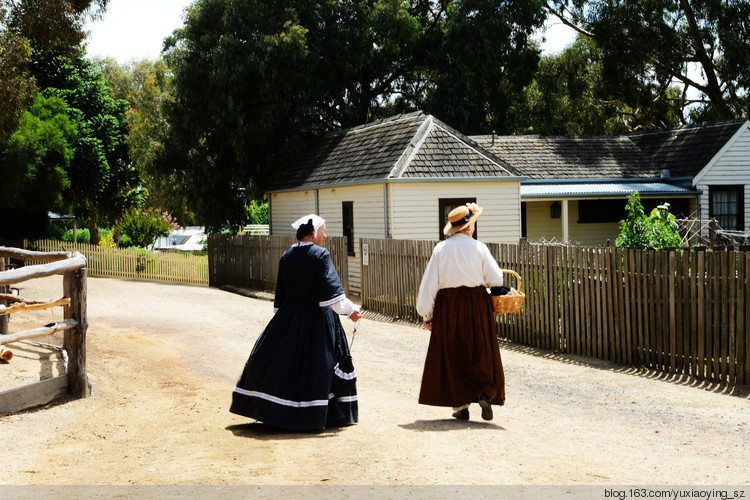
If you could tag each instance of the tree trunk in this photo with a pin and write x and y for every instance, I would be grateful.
(94, 232)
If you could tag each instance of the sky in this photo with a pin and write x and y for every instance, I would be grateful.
(132, 30)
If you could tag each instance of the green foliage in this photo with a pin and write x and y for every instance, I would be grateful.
(654, 43)
(146, 86)
(82, 236)
(144, 226)
(102, 184)
(48, 26)
(258, 212)
(17, 88)
(256, 80)
(34, 162)
(568, 96)
(658, 230)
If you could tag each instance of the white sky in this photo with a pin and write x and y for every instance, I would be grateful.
(132, 30)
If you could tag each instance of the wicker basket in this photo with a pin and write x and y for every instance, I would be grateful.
(512, 301)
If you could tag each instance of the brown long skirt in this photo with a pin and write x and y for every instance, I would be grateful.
(463, 358)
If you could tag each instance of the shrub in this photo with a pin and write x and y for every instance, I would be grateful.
(82, 236)
(257, 213)
(144, 226)
(658, 230)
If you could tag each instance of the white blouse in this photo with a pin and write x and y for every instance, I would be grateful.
(458, 261)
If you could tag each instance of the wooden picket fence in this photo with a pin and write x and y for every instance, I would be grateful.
(133, 263)
(677, 311)
(252, 261)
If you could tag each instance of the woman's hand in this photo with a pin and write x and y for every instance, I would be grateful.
(428, 324)
(355, 316)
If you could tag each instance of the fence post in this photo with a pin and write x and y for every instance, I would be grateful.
(74, 287)
(712, 234)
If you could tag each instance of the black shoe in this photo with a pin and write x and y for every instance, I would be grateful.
(461, 414)
(484, 402)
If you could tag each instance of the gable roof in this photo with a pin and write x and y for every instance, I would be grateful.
(540, 157)
(686, 150)
(409, 146)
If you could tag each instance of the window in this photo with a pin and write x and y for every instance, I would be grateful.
(445, 207)
(725, 204)
(590, 211)
(347, 209)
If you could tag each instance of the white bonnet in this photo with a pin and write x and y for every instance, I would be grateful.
(317, 221)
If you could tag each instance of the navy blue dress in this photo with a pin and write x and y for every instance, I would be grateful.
(300, 375)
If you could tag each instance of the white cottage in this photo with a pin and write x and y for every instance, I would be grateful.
(715, 159)
(576, 187)
(397, 178)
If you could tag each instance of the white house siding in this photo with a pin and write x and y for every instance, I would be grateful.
(368, 220)
(413, 208)
(287, 207)
(540, 226)
(732, 167)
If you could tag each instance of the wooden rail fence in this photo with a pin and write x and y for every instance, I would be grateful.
(72, 265)
(678, 311)
(133, 263)
(252, 261)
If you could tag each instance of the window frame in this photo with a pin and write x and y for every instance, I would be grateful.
(739, 190)
(347, 223)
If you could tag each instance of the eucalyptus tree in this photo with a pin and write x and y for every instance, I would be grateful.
(568, 96)
(703, 46)
(102, 182)
(256, 80)
(48, 26)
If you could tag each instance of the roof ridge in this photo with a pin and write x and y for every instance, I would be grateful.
(689, 127)
(378, 123)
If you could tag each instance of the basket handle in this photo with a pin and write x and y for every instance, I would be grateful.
(514, 274)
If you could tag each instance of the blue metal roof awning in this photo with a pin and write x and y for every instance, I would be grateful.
(601, 189)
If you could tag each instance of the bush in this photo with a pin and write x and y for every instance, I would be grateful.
(657, 230)
(257, 213)
(82, 236)
(144, 226)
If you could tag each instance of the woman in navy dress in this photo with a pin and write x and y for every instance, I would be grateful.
(300, 375)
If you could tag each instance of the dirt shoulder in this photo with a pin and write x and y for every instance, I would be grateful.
(163, 360)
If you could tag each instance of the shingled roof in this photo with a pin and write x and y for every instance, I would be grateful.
(686, 150)
(539, 157)
(414, 145)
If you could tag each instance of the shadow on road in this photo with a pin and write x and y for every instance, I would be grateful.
(259, 430)
(448, 425)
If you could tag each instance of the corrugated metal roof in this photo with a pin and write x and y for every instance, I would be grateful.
(595, 189)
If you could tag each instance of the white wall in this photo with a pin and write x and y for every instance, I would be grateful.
(414, 209)
(287, 207)
(413, 212)
(732, 167)
(367, 205)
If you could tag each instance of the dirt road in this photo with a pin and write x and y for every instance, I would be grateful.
(163, 360)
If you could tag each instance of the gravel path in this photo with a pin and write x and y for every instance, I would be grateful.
(163, 360)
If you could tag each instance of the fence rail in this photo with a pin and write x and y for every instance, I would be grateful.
(682, 312)
(75, 324)
(132, 263)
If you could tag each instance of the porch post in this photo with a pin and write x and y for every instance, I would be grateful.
(564, 217)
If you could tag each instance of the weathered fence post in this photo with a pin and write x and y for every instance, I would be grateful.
(74, 286)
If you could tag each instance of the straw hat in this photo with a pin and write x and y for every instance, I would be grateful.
(462, 217)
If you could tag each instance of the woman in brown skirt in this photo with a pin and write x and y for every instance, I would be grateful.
(463, 362)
